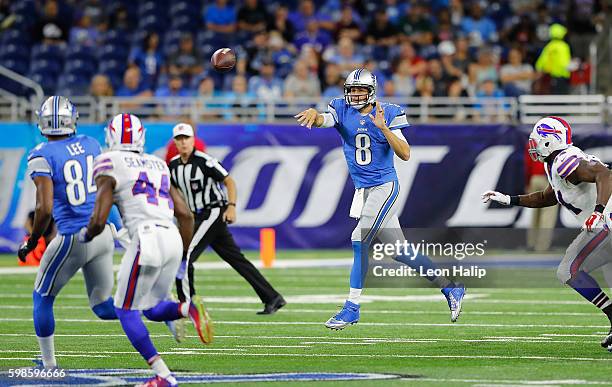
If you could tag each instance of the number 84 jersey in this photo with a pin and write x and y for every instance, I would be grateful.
(368, 153)
(142, 186)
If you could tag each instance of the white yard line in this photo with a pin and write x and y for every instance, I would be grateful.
(507, 382)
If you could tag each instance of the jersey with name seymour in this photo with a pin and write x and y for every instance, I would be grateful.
(368, 153)
(142, 186)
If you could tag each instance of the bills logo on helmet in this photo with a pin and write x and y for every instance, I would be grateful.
(545, 130)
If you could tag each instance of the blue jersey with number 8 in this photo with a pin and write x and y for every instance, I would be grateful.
(69, 164)
(368, 153)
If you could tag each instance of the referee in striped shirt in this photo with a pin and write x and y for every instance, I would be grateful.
(199, 177)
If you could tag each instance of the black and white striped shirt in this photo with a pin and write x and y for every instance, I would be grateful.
(199, 180)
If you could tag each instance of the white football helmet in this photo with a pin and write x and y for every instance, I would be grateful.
(57, 116)
(549, 134)
(360, 78)
(126, 133)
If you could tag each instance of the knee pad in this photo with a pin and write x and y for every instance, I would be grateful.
(105, 310)
(44, 321)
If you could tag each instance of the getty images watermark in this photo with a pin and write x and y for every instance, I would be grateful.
(411, 251)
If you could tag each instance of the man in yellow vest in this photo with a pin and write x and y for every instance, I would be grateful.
(555, 59)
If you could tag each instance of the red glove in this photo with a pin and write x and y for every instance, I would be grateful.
(595, 221)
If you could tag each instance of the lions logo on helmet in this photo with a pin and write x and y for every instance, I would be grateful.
(549, 134)
(57, 116)
(360, 78)
(125, 133)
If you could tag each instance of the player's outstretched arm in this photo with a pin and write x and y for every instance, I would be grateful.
(42, 214)
(598, 173)
(104, 202)
(538, 199)
(183, 216)
(310, 117)
(399, 146)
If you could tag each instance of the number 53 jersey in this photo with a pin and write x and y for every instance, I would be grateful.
(142, 186)
(69, 164)
(368, 154)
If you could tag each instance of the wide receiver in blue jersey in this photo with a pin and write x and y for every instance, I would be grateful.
(62, 170)
(371, 136)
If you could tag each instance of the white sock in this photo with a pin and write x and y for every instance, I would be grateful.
(47, 349)
(184, 309)
(161, 369)
(354, 295)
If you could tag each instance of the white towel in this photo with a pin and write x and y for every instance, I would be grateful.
(149, 249)
(357, 204)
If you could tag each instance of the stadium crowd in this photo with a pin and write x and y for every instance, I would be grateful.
(301, 48)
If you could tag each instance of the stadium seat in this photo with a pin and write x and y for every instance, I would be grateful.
(110, 51)
(80, 67)
(14, 51)
(24, 8)
(116, 38)
(48, 51)
(47, 83)
(15, 36)
(81, 52)
(18, 66)
(151, 23)
(185, 23)
(111, 66)
(71, 84)
(48, 67)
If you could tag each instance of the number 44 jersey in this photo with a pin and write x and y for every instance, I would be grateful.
(69, 165)
(142, 186)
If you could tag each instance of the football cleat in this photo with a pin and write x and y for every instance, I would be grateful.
(348, 315)
(607, 341)
(201, 322)
(158, 381)
(173, 327)
(454, 297)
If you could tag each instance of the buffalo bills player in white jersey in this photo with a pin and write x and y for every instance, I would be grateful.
(61, 169)
(370, 140)
(139, 184)
(571, 174)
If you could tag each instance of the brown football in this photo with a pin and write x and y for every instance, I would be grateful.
(223, 60)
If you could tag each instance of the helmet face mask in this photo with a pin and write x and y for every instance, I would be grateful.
(125, 133)
(57, 116)
(360, 88)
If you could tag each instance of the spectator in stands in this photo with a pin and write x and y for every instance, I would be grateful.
(120, 19)
(133, 86)
(252, 17)
(208, 109)
(332, 82)
(439, 77)
(455, 92)
(281, 23)
(312, 36)
(52, 28)
(84, 33)
(447, 53)
(542, 23)
(306, 12)
(479, 28)
(347, 27)
(266, 86)
(240, 98)
(100, 86)
(516, 76)
(416, 64)
(462, 58)
(257, 50)
(384, 87)
(424, 87)
(443, 28)
(345, 57)
(488, 108)
(380, 31)
(148, 58)
(311, 57)
(580, 23)
(414, 23)
(301, 83)
(485, 69)
(95, 11)
(220, 18)
(403, 79)
(555, 59)
(282, 53)
(523, 34)
(172, 108)
(187, 61)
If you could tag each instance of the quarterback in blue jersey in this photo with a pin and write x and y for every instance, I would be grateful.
(371, 136)
(62, 171)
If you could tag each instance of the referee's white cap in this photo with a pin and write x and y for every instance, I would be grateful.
(182, 129)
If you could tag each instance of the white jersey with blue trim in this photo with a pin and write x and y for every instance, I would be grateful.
(366, 149)
(578, 199)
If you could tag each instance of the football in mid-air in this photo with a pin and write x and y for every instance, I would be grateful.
(223, 60)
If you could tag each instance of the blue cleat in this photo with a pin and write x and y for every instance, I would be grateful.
(454, 296)
(349, 315)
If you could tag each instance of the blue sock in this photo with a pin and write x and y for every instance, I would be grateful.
(164, 311)
(422, 263)
(44, 321)
(105, 310)
(357, 270)
(136, 331)
(586, 286)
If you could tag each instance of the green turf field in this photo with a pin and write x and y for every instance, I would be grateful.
(504, 336)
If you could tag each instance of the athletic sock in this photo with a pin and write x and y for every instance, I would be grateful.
(354, 295)
(184, 309)
(588, 288)
(136, 332)
(164, 311)
(161, 369)
(47, 350)
(357, 272)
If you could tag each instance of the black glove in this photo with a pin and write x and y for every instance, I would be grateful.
(25, 249)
